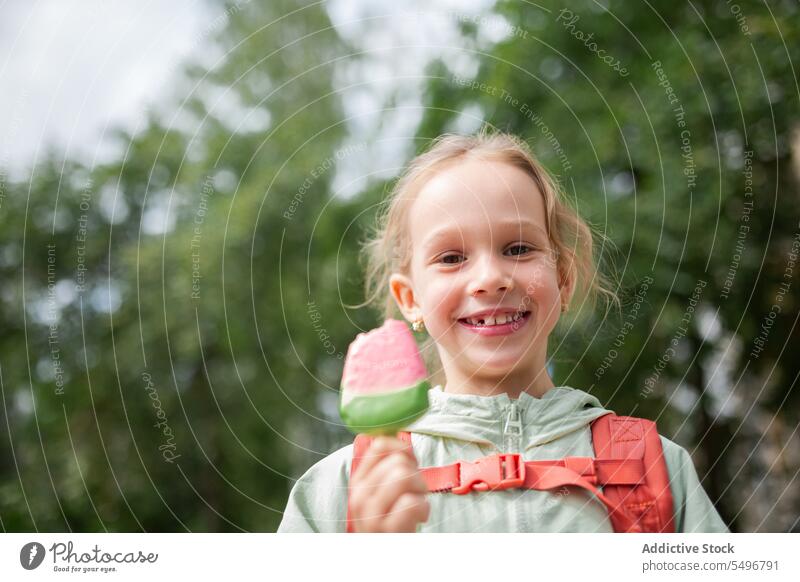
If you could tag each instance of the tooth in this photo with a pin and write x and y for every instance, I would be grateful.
(497, 320)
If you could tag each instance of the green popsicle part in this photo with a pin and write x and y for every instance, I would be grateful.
(387, 412)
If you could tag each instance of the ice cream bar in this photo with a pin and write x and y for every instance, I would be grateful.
(384, 383)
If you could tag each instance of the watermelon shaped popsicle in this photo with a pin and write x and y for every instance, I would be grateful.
(384, 383)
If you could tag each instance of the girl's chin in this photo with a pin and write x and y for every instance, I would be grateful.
(494, 362)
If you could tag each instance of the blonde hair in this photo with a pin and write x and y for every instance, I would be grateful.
(388, 249)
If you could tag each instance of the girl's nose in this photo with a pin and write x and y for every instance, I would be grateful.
(490, 278)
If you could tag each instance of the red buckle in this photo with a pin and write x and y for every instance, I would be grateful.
(491, 473)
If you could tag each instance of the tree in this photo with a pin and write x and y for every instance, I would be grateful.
(184, 370)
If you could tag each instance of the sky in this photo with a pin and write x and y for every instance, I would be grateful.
(73, 70)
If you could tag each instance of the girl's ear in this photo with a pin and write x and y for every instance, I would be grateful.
(567, 283)
(403, 292)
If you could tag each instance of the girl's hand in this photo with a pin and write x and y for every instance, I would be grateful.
(387, 491)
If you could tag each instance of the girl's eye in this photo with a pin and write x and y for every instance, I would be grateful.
(524, 249)
(446, 259)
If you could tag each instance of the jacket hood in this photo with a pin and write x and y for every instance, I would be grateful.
(482, 419)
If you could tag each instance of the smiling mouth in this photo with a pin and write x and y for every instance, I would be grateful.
(494, 321)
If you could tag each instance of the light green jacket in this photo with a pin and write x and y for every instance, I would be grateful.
(467, 427)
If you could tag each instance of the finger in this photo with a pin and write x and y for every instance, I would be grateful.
(409, 510)
(380, 489)
(393, 472)
(379, 449)
(377, 488)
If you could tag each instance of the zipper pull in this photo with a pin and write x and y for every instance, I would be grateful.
(512, 431)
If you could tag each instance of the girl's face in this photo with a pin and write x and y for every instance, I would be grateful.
(481, 257)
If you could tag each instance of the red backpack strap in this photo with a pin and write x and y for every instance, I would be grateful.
(649, 502)
(361, 444)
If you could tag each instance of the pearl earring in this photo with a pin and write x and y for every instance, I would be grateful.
(418, 325)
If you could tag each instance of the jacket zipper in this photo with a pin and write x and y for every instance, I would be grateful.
(512, 431)
(512, 437)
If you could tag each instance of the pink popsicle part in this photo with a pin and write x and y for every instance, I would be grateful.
(383, 360)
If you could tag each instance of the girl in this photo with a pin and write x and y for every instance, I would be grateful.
(478, 248)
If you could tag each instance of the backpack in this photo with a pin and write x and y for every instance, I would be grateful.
(628, 473)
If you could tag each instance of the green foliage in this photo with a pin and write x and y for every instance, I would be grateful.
(207, 335)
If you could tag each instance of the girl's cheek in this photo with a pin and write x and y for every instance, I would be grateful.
(542, 290)
(442, 300)
(541, 281)
(442, 289)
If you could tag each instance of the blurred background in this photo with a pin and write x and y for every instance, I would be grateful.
(184, 186)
